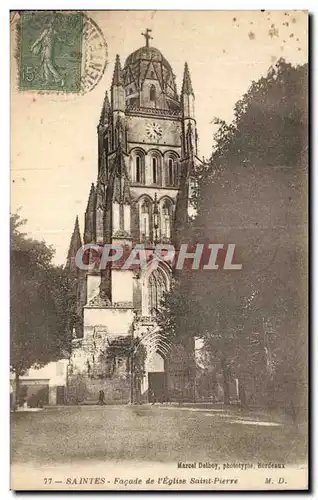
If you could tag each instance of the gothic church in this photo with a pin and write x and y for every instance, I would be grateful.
(147, 150)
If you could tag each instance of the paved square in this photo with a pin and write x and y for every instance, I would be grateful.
(69, 435)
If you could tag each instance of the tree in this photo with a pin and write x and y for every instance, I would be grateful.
(252, 192)
(42, 304)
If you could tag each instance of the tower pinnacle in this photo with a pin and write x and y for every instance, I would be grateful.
(75, 244)
(91, 199)
(117, 76)
(105, 109)
(187, 85)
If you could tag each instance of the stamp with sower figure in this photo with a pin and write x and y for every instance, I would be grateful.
(60, 52)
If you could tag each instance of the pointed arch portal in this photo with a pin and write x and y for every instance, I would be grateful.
(155, 283)
(155, 382)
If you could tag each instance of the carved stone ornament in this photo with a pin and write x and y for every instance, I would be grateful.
(99, 301)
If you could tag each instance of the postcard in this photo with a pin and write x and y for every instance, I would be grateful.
(159, 250)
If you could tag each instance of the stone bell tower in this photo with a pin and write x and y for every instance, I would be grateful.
(147, 151)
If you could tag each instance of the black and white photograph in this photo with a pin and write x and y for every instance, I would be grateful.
(159, 250)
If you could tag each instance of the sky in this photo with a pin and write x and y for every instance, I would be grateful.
(53, 137)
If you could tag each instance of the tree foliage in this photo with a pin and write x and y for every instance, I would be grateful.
(270, 121)
(42, 303)
(253, 192)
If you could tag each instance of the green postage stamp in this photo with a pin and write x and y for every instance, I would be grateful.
(60, 52)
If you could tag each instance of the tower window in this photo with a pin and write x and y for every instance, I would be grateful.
(166, 209)
(157, 287)
(154, 170)
(170, 172)
(166, 220)
(144, 221)
(145, 208)
(152, 93)
(138, 169)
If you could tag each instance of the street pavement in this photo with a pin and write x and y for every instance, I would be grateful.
(158, 433)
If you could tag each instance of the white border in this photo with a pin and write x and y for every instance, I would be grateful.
(5, 158)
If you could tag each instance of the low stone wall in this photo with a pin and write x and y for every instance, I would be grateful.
(84, 389)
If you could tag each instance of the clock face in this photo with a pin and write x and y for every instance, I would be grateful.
(154, 131)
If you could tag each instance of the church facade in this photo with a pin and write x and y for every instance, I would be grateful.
(147, 150)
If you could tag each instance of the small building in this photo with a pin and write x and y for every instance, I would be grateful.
(43, 386)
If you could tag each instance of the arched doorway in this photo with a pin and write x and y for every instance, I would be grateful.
(157, 379)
